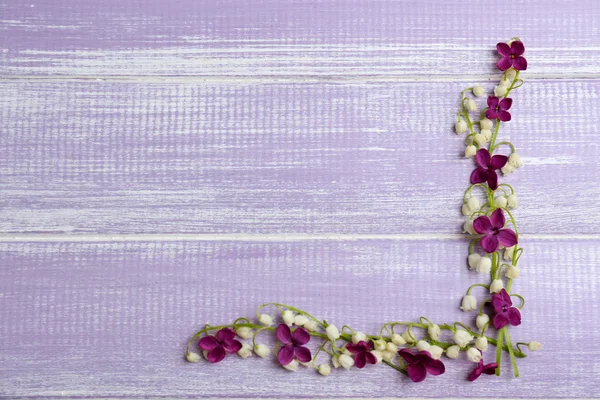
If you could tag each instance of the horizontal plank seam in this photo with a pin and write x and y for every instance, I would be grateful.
(284, 237)
(285, 79)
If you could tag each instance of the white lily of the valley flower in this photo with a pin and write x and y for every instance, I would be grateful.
(460, 127)
(513, 201)
(469, 303)
(193, 357)
(388, 355)
(478, 90)
(500, 91)
(358, 337)
(265, 319)
(515, 160)
(507, 169)
(423, 345)
(481, 343)
(471, 105)
(484, 265)
(485, 124)
(479, 138)
(293, 366)
(473, 203)
(474, 355)
(473, 259)
(500, 201)
(436, 352)
(335, 361)
(434, 331)
(398, 340)
(378, 356)
(508, 253)
(510, 73)
(496, 286)
(468, 227)
(288, 317)
(262, 350)
(470, 151)
(244, 333)
(379, 344)
(245, 351)
(391, 347)
(324, 369)
(487, 134)
(332, 332)
(205, 354)
(534, 345)
(346, 361)
(300, 320)
(453, 352)
(481, 321)
(311, 326)
(512, 272)
(462, 337)
(406, 335)
(345, 351)
(308, 364)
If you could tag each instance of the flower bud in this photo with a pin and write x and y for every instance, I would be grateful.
(479, 139)
(244, 333)
(500, 91)
(487, 134)
(423, 345)
(388, 355)
(474, 355)
(478, 91)
(512, 272)
(245, 351)
(509, 252)
(377, 355)
(515, 160)
(500, 202)
(462, 337)
(470, 151)
(481, 343)
(288, 317)
(468, 227)
(379, 345)
(311, 326)
(205, 354)
(453, 352)
(484, 266)
(510, 73)
(345, 351)
(481, 321)
(391, 347)
(505, 83)
(345, 361)
(262, 350)
(436, 352)
(324, 369)
(485, 124)
(265, 319)
(469, 303)
(507, 169)
(473, 203)
(398, 340)
(513, 201)
(358, 336)
(473, 260)
(534, 345)
(460, 127)
(193, 357)
(335, 361)
(308, 364)
(434, 331)
(332, 332)
(496, 286)
(471, 105)
(408, 337)
(300, 320)
(293, 366)
(466, 211)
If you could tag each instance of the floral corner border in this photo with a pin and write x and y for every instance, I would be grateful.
(417, 355)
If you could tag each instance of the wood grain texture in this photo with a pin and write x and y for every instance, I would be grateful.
(115, 317)
(341, 39)
(280, 158)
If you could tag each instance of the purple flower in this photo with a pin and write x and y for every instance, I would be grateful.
(362, 353)
(498, 108)
(494, 233)
(505, 312)
(420, 364)
(512, 56)
(486, 172)
(488, 369)
(293, 344)
(221, 344)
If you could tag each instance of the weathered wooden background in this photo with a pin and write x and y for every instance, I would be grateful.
(170, 163)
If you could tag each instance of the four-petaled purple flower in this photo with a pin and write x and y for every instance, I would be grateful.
(498, 108)
(512, 56)
(488, 369)
(486, 172)
(218, 346)
(494, 232)
(293, 345)
(420, 364)
(362, 353)
(505, 312)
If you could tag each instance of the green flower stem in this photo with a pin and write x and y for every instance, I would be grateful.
(279, 306)
(512, 219)
(496, 129)
(507, 144)
(470, 190)
(397, 368)
(512, 191)
(522, 300)
(510, 352)
(476, 285)
(499, 351)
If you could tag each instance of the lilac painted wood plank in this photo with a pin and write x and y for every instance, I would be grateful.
(280, 158)
(282, 38)
(111, 319)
